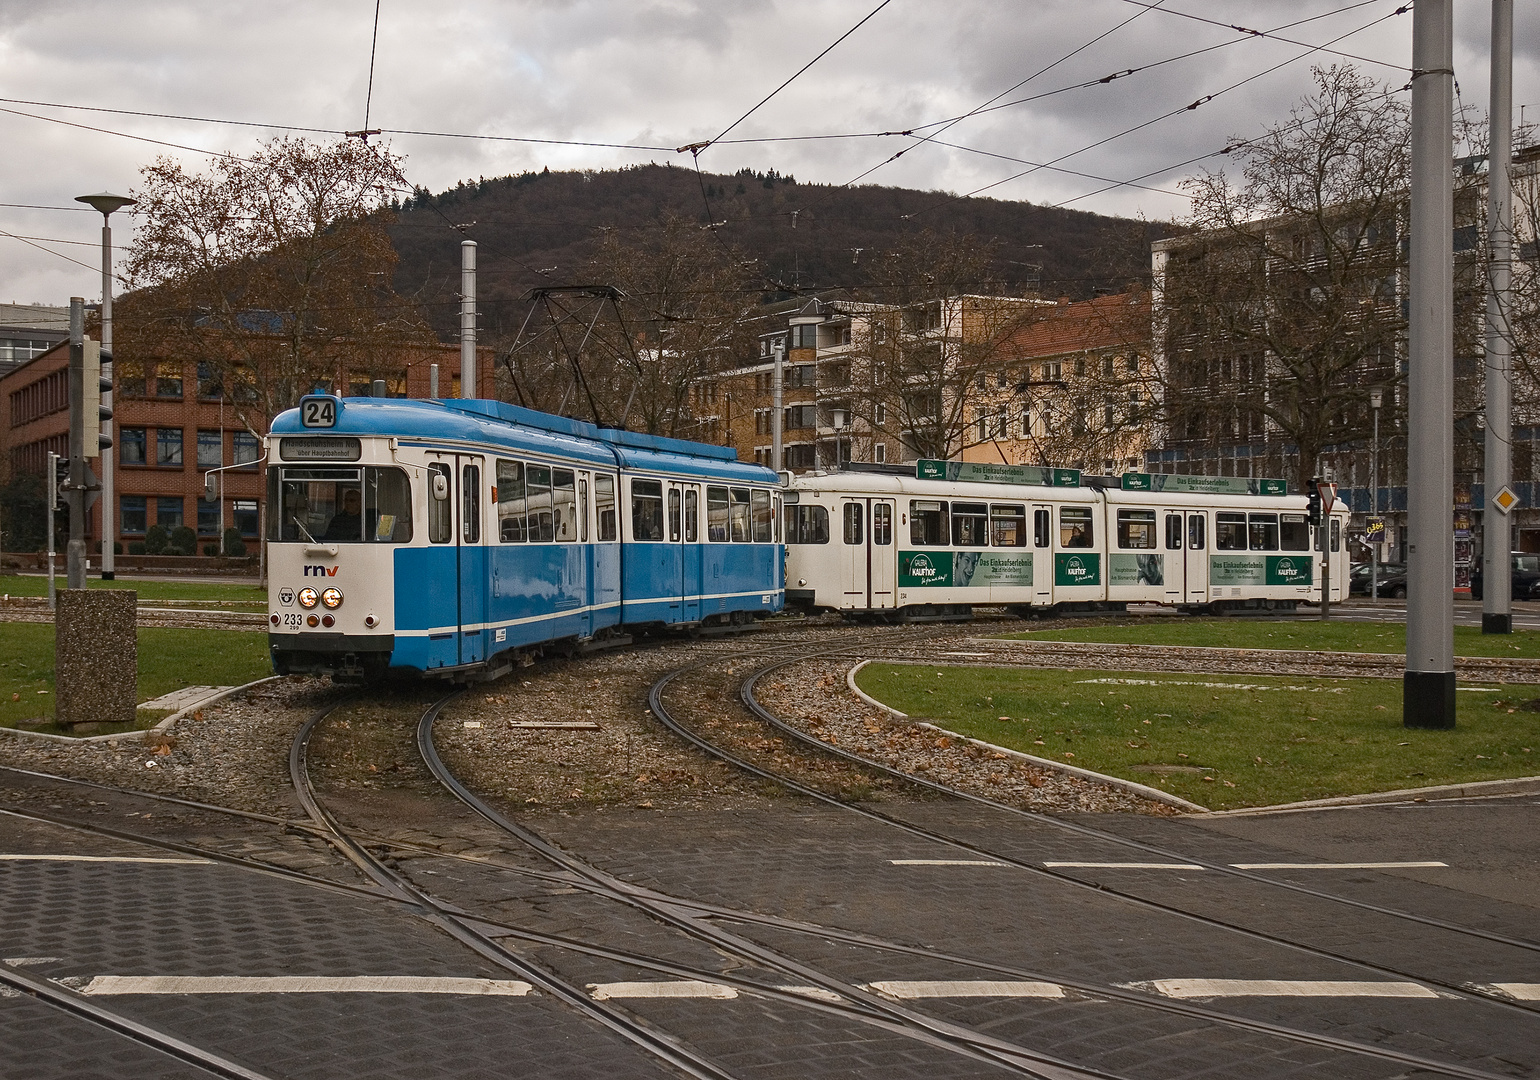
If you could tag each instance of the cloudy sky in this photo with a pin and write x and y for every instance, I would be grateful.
(456, 83)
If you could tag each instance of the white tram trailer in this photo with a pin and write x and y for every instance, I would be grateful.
(892, 546)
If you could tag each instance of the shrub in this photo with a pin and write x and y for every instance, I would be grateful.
(136, 547)
(182, 541)
(235, 547)
(155, 540)
(211, 549)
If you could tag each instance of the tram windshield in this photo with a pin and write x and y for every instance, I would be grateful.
(331, 505)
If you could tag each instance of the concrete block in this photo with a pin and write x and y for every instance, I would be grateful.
(96, 656)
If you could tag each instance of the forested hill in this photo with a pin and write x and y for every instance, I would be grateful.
(543, 228)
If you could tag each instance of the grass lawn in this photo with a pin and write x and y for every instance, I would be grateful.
(168, 660)
(1261, 740)
(249, 597)
(1329, 636)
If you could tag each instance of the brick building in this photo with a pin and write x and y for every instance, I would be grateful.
(172, 423)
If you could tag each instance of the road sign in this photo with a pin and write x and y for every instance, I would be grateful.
(1505, 500)
(1374, 530)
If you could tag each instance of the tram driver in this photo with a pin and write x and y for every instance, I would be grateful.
(347, 523)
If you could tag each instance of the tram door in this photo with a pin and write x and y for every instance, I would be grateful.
(1174, 542)
(471, 566)
(881, 565)
(1042, 556)
(1197, 557)
(866, 553)
(684, 531)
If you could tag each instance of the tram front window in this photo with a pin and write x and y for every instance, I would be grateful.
(342, 506)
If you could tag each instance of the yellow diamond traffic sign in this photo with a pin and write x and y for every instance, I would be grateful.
(1505, 499)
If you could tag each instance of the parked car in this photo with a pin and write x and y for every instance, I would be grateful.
(1392, 580)
(1526, 577)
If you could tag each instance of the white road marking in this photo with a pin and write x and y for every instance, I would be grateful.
(683, 988)
(103, 985)
(817, 993)
(1126, 865)
(103, 859)
(26, 961)
(966, 988)
(1207, 988)
(1521, 991)
(945, 862)
(1333, 865)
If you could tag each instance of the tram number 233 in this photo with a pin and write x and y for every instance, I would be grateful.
(318, 412)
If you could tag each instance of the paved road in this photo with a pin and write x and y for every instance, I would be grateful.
(298, 981)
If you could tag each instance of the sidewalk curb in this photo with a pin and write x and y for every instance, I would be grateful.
(140, 734)
(1130, 786)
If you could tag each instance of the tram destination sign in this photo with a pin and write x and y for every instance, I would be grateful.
(981, 472)
(1204, 485)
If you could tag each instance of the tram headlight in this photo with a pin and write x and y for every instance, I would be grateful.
(332, 598)
(308, 597)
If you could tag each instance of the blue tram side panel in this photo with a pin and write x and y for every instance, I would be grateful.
(594, 530)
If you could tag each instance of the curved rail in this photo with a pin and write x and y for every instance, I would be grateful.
(458, 927)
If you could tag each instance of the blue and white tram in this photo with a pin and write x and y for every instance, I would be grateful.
(451, 536)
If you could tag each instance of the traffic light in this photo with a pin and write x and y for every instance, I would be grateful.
(94, 414)
(1314, 503)
(58, 480)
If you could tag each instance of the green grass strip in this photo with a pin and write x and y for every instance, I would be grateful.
(168, 660)
(1332, 636)
(1222, 741)
(250, 597)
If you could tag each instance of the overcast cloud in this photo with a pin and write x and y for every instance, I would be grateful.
(666, 73)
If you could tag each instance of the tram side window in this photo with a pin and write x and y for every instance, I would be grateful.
(806, 524)
(1136, 529)
(1195, 532)
(646, 510)
(970, 524)
(764, 526)
(740, 514)
(1042, 528)
(927, 523)
(510, 502)
(1229, 532)
(583, 508)
(564, 505)
(882, 524)
(716, 515)
(537, 482)
(470, 510)
(1173, 532)
(673, 515)
(604, 505)
(692, 516)
(387, 506)
(1294, 533)
(1263, 534)
(440, 513)
(1075, 527)
(1008, 525)
(853, 523)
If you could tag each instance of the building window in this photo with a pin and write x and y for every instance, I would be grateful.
(211, 384)
(246, 448)
(801, 456)
(131, 515)
(208, 518)
(983, 426)
(128, 378)
(131, 445)
(880, 453)
(804, 336)
(168, 447)
(168, 511)
(168, 381)
(879, 414)
(799, 417)
(1026, 423)
(245, 511)
(211, 449)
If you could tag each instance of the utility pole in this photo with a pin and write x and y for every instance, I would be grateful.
(1428, 687)
(75, 553)
(467, 318)
(1497, 566)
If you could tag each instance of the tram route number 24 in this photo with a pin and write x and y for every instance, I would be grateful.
(319, 412)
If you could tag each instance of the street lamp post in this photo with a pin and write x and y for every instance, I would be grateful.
(106, 203)
(1376, 399)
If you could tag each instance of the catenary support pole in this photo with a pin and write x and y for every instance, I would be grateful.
(75, 552)
(777, 459)
(1428, 698)
(1496, 540)
(468, 318)
(109, 457)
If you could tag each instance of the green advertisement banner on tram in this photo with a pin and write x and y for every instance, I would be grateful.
(963, 569)
(924, 569)
(1136, 569)
(1246, 569)
(1077, 569)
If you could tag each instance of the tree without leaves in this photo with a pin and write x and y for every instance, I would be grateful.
(274, 269)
